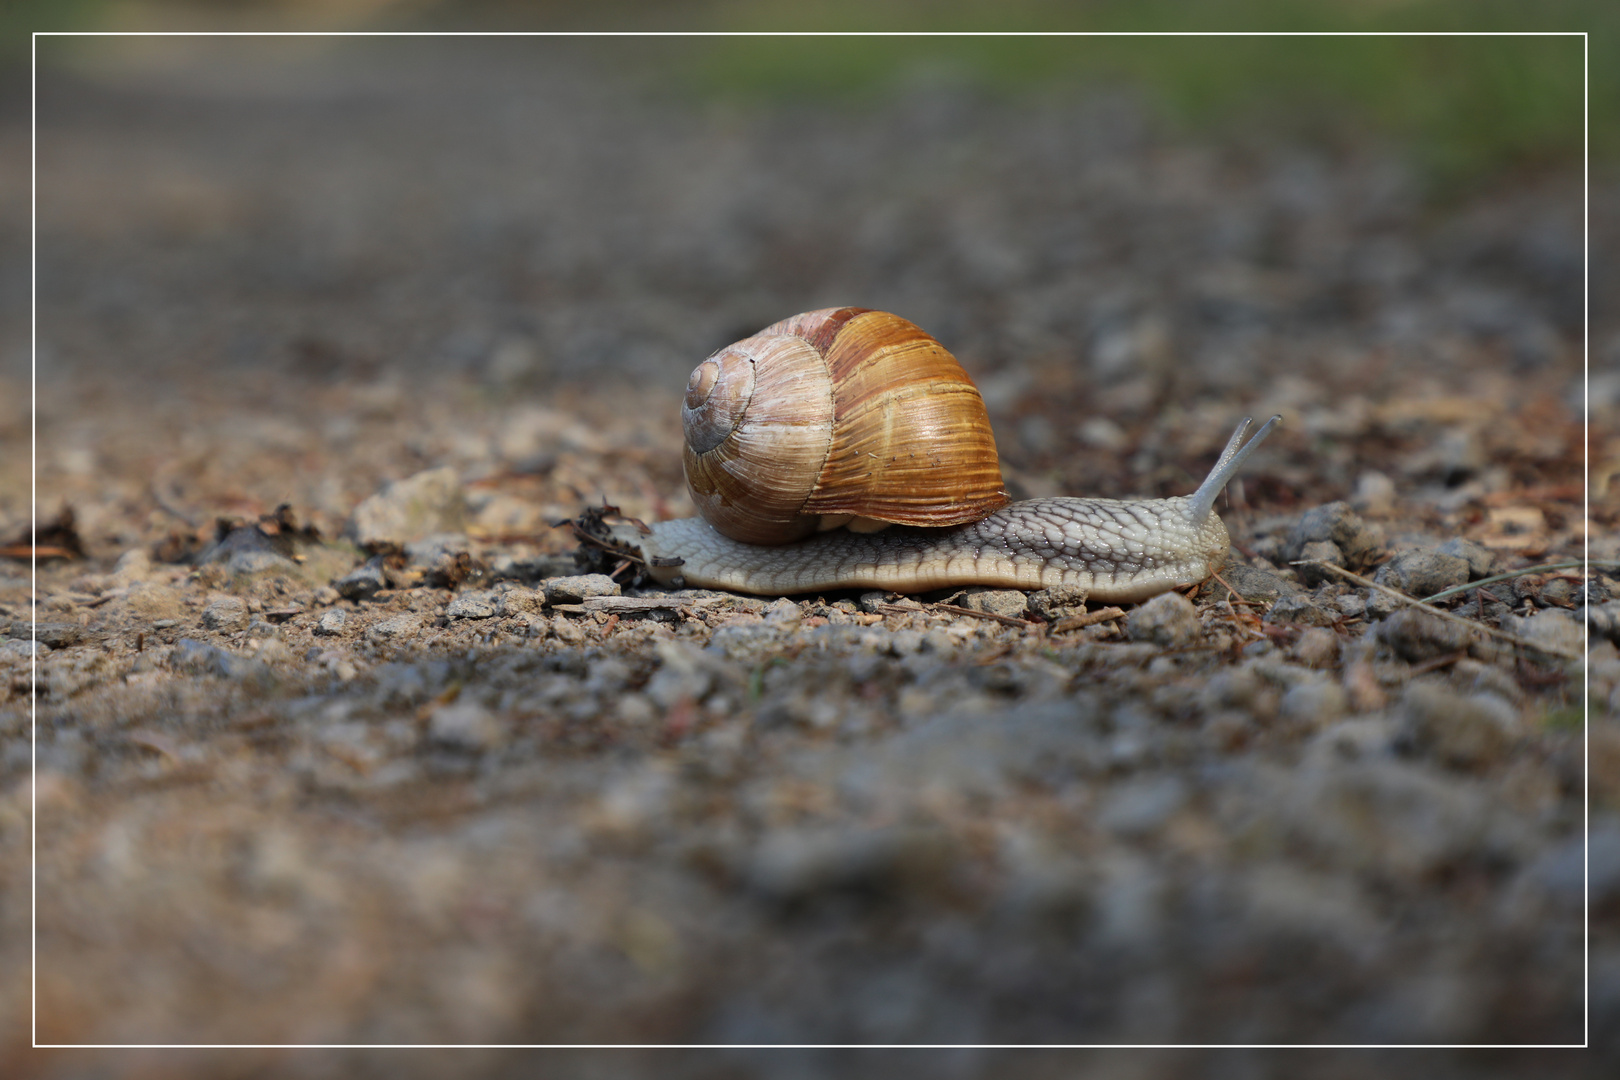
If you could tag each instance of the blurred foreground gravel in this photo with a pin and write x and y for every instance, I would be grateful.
(435, 297)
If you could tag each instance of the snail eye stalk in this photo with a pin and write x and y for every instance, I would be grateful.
(1230, 461)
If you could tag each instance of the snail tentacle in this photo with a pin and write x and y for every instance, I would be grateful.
(1202, 501)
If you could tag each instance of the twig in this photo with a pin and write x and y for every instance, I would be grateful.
(1550, 650)
(22, 552)
(992, 616)
(1568, 564)
(1090, 618)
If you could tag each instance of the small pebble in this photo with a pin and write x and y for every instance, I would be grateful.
(1351, 605)
(331, 623)
(1336, 523)
(132, 566)
(225, 614)
(1421, 574)
(1380, 605)
(473, 605)
(1481, 559)
(1301, 609)
(398, 626)
(58, 635)
(521, 602)
(566, 630)
(16, 650)
(363, 582)
(1168, 619)
(870, 601)
(1010, 603)
(1314, 553)
(1252, 583)
(575, 589)
(1560, 591)
(410, 509)
(1060, 601)
(784, 614)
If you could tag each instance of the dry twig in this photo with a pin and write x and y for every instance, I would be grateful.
(1090, 618)
(992, 616)
(1550, 650)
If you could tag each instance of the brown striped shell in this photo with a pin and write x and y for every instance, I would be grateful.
(842, 416)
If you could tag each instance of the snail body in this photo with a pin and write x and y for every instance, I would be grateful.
(849, 417)
(1118, 551)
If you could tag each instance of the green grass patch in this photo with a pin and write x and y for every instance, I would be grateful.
(1464, 107)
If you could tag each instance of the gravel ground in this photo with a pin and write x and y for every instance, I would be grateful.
(434, 297)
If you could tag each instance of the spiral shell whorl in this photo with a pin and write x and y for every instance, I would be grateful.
(831, 415)
(756, 440)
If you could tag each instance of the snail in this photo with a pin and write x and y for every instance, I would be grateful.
(847, 448)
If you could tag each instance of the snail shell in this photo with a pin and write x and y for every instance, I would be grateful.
(843, 416)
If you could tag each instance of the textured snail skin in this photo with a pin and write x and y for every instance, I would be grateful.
(1119, 551)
